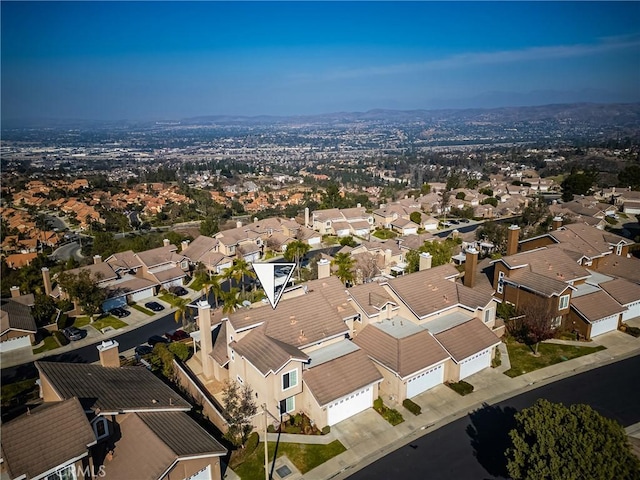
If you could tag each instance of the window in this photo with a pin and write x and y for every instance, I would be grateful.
(101, 428)
(287, 405)
(240, 380)
(289, 379)
(556, 322)
(500, 288)
(487, 315)
(185, 265)
(619, 249)
(66, 473)
(564, 302)
(233, 356)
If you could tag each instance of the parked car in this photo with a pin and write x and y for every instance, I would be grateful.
(155, 306)
(120, 312)
(455, 222)
(464, 220)
(177, 335)
(179, 291)
(74, 333)
(143, 350)
(153, 339)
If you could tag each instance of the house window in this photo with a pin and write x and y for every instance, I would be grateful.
(500, 288)
(240, 380)
(619, 249)
(556, 322)
(564, 302)
(185, 265)
(101, 428)
(289, 379)
(287, 405)
(487, 315)
(66, 473)
(233, 356)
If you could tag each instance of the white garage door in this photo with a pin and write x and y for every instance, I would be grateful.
(633, 312)
(348, 406)
(424, 381)
(136, 297)
(475, 363)
(607, 324)
(15, 343)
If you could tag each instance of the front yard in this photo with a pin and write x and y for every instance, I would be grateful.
(523, 361)
(108, 322)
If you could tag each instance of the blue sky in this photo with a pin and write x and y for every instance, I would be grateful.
(170, 60)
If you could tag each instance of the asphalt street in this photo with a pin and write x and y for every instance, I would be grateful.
(472, 447)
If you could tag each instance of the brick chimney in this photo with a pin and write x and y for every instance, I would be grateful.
(97, 259)
(470, 264)
(513, 234)
(206, 341)
(324, 268)
(166, 242)
(46, 278)
(556, 223)
(15, 291)
(425, 261)
(109, 355)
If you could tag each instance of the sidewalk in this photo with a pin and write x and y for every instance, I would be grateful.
(369, 437)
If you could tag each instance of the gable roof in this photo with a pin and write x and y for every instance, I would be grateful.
(160, 255)
(595, 306)
(199, 247)
(535, 282)
(552, 263)
(620, 266)
(623, 291)
(402, 354)
(371, 297)
(16, 315)
(121, 389)
(46, 437)
(467, 339)
(341, 376)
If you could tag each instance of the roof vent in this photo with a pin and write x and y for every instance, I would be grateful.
(154, 401)
(292, 319)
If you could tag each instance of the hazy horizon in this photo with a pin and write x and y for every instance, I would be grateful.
(173, 60)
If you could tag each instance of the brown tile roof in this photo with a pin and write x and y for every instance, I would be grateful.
(160, 255)
(467, 339)
(17, 315)
(406, 355)
(595, 306)
(339, 377)
(169, 274)
(473, 297)
(111, 389)
(199, 247)
(124, 260)
(100, 272)
(371, 297)
(45, 438)
(623, 291)
(553, 263)
(538, 283)
(219, 352)
(266, 353)
(627, 268)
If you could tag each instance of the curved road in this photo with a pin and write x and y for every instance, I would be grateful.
(472, 447)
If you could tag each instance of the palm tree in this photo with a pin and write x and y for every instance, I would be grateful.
(181, 304)
(295, 251)
(213, 284)
(240, 270)
(345, 264)
(229, 300)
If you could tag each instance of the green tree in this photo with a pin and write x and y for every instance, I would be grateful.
(578, 183)
(213, 284)
(295, 251)
(425, 189)
(348, 241)
(630, 177)
(416, 217)
(44, 309)
(490, 201)
(493, 232)
(209, 227)
(345, 264)
(460, 195)
(229, 300)
(182, 307)
(239, 270)
(558, 442)
(85, 289)
(238, 408)
(453, 182)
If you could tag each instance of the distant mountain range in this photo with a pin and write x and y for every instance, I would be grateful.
(620, 114)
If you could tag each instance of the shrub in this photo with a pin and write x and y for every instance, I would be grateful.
(634, 331)
(412, 406)
(61, 338)
(326, 429)
(378, 405)
(162, 359)
(180, 350)
(271, 429)
(393, 416)
(461, 388)
(63, 321)
(496, 361)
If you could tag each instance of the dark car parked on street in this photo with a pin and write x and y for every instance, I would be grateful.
(177, 335)
(143, 350)
(179, 291)
(74, 333)
(155, 306)
(153, 339)
(119, 312)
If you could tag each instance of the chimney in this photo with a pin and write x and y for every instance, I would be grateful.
(306, 217)
(455, 233)
(97, 259)
(470, 265)
(206, 341)
(46, 278)
(556, 223)
(15, 291)
(358, 205)
(324, 268)
(425, 261)
(512, 239)
(109, 355)
(166, 242)
(238, 223)
(255, 219)
(184, 245)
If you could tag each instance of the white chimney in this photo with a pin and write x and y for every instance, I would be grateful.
(166, 242)
(206, 341)
(425, 261)
(238, 223)
(324, 268)
(97, 259)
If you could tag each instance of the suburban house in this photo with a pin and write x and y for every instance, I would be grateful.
(17, 326)
(342, 222)
(240, 242)
(205, 250)
(119, 422)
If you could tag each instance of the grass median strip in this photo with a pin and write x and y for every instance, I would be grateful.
(108, 322)
(143, 310)
(49, 344)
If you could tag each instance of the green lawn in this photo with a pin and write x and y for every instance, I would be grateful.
(81, 322)
(523, 361)
(384, 234)
(169, 298)
(142, 309)
(49, 344)
(108, 322)
(197, 284)
(304, 456)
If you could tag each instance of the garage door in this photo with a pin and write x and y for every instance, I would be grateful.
(347, 406)
(136, 297)
(424, 381)
(475, 363)
(607, 324)
(112, 303)
(633, 312)
(15, 343)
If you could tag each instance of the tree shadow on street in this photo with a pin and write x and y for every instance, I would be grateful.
(489, 433)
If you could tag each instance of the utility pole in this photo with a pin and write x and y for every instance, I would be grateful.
(266, 444)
